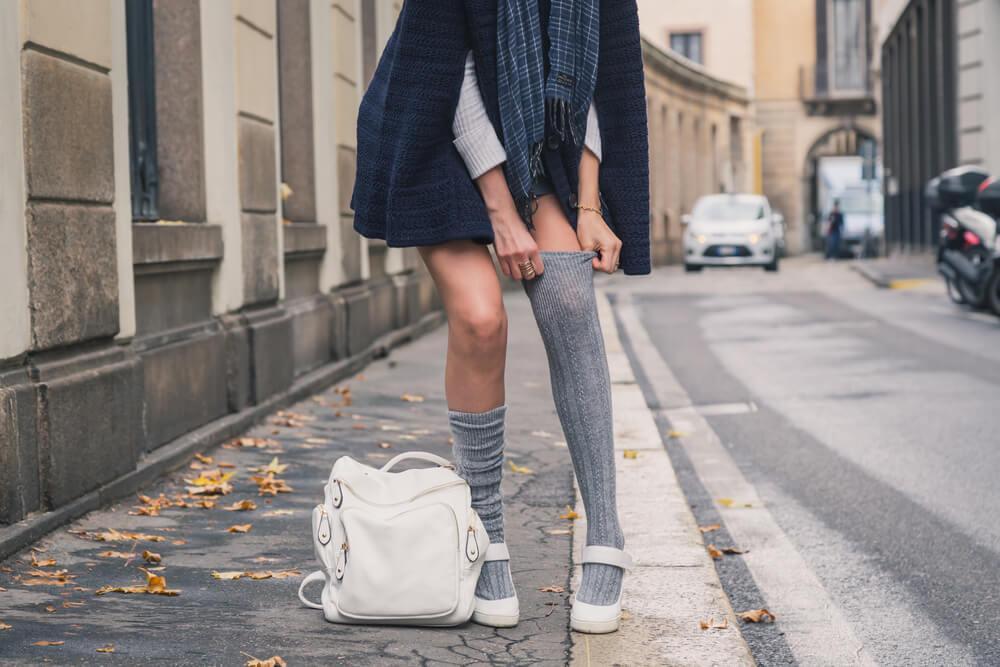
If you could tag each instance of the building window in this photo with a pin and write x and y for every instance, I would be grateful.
(843, 46)
(142, 110)
(688, 44)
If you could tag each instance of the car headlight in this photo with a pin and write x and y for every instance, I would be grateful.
(757, 238)
(701, 238)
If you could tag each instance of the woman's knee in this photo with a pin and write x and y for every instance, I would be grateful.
(481, 329)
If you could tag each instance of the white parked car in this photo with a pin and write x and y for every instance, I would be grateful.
(732, 230)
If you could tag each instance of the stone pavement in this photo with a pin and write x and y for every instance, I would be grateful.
(898, 271)
(221, 622)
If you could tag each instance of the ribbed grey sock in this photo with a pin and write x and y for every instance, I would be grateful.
(565, 308)
(478, 451)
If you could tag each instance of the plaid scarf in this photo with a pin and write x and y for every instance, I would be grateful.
(533, 105)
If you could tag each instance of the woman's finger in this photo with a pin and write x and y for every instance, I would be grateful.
(536, 260)
(515, 270)
(504, 266)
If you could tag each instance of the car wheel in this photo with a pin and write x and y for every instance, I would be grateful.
(692, 268)
(993, 293)
(773, 266)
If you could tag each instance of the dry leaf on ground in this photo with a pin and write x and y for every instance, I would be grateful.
(630, 454)
(714, 551)
(256, 575)
(151, 557)
(269, 485)
(521, 470)
(72, 604)
(552, 589)
(112, 535)
(709, 528)
(570, 514)
(733, 551)
(384, 445)
(412, 398)
(4, 626)
(117, 554)
(710, 624)
(273, 661)
(107, 648)
(47, 643)
(207, 460)
(44, 562)
(280, 513)
(240, 528)
(272, 468)
(250, 443)
(241, 506)
(676, 434)
(756, 616)
(48, 578)
(155, 585)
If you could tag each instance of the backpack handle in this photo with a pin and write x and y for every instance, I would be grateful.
(419, 456)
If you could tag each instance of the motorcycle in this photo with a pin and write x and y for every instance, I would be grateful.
(967, 202)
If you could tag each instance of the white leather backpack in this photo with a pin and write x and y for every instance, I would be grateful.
(401, 548)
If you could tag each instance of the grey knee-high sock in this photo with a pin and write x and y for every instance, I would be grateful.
(478, 451)
(565, 308)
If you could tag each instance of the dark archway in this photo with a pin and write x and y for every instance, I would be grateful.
(840, 141)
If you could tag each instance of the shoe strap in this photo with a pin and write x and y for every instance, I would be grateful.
(606, 556)
(497, 551)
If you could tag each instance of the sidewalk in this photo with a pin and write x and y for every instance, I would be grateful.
(220, 622)
(898, 271)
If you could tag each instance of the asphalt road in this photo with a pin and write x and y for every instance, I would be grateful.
(872, 435)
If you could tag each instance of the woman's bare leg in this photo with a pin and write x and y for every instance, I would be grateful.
(474, 375)
(477, 324)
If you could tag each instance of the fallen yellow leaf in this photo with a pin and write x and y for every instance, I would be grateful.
(4, 626)
(522, 470)
(280, 513)
(240, 528)
(155, 585)
(756, 616)
(273, 661)
(412, 398)
(714, 552)
(710, 624)
(207, 460)
(630, 454)
(228, 576)
(709, 528)
(676, 434)
(47, 643)
(552, 589)
(151, 557)
(273, 468)
(241, 506)
(107, 648)
(570, 514)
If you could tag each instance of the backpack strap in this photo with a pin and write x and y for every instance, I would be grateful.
(318, 575)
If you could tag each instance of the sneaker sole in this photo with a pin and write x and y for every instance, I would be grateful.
(495, 620)
(594, 627)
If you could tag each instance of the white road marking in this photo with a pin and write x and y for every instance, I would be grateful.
(815, 629)
(674, 584)
(725, 409)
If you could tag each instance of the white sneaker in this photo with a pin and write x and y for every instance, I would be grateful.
(599, 619)
(502, 613)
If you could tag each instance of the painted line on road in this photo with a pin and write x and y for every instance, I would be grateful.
(725, 409)
(674, 584)
(815, 629)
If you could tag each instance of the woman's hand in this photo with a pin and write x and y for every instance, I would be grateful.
(594, 234)
(512, 241)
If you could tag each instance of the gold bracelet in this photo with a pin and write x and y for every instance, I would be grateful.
(598, 211)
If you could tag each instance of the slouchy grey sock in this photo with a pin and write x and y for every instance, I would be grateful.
(565, 308)
(478, 451)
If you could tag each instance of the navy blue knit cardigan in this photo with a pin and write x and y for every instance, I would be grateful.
(412, 187)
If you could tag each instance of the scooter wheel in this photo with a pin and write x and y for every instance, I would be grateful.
(954, 293)
(993, 294)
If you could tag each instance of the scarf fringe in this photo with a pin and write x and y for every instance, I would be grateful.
(559, 115)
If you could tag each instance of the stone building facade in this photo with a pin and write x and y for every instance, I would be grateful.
(942, 104)
(177, 249)
(700, 142)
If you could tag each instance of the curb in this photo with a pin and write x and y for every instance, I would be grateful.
(174, 454)
(872, 275)
(674, 584)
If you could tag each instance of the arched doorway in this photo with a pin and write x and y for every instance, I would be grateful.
(844, 155)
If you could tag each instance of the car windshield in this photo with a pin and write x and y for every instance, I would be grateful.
(726, 208)
(861, 202)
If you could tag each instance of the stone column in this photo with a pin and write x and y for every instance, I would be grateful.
(76, 394)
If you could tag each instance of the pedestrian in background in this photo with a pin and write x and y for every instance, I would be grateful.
(834, 231)
(521, 124)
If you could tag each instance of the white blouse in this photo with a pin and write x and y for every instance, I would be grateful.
(476, 138)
